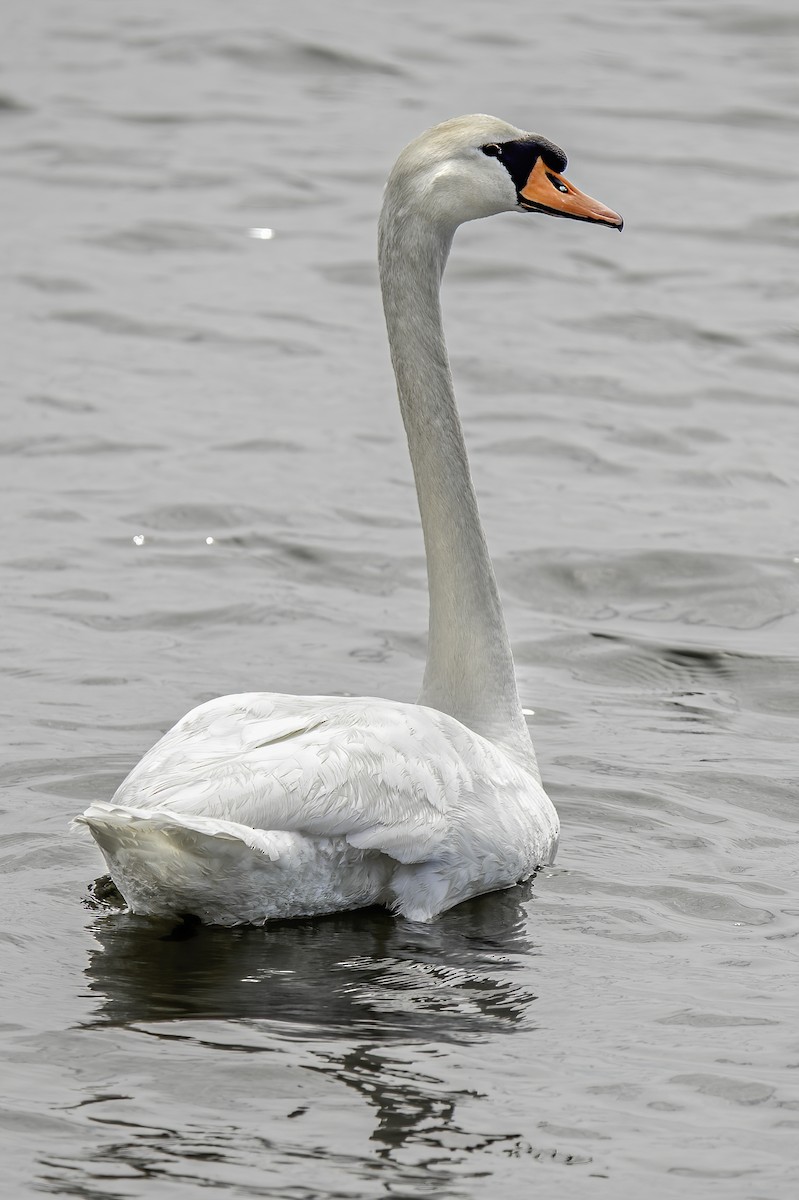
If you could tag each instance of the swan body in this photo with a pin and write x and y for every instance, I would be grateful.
(261, 806)
(318, 803)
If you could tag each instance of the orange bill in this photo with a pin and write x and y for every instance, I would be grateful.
(548, 192)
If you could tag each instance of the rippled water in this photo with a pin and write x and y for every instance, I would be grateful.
(627, 1026)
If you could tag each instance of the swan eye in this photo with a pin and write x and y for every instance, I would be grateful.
(557, 183)
(492, 150)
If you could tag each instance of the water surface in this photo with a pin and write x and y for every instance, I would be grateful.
(205, 490)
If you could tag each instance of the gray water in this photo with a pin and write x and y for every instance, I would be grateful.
(627, 1025)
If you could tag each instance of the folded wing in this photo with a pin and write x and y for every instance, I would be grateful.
(383, 775)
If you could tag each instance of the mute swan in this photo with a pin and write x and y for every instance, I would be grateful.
(261, 806)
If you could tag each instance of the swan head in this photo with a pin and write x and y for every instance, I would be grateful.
(477, 166)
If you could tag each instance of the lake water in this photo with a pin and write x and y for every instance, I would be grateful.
(205, 489)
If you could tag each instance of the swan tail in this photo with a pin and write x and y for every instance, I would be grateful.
(165, 863)
(168, 864)
(111, 822)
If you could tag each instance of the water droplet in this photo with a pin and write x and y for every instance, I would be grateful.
(138, 539)
(265, 235)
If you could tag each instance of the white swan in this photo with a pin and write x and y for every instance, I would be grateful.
(259, 805)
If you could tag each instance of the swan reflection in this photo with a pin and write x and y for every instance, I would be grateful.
(355, 1004)
(352, 973)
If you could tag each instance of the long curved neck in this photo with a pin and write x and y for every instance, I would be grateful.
(469, 671)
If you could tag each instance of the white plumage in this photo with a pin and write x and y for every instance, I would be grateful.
(261, 806)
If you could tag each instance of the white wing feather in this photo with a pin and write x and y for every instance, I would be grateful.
(385, 776)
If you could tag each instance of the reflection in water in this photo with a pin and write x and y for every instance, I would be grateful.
(360, 972)
(357, 998)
